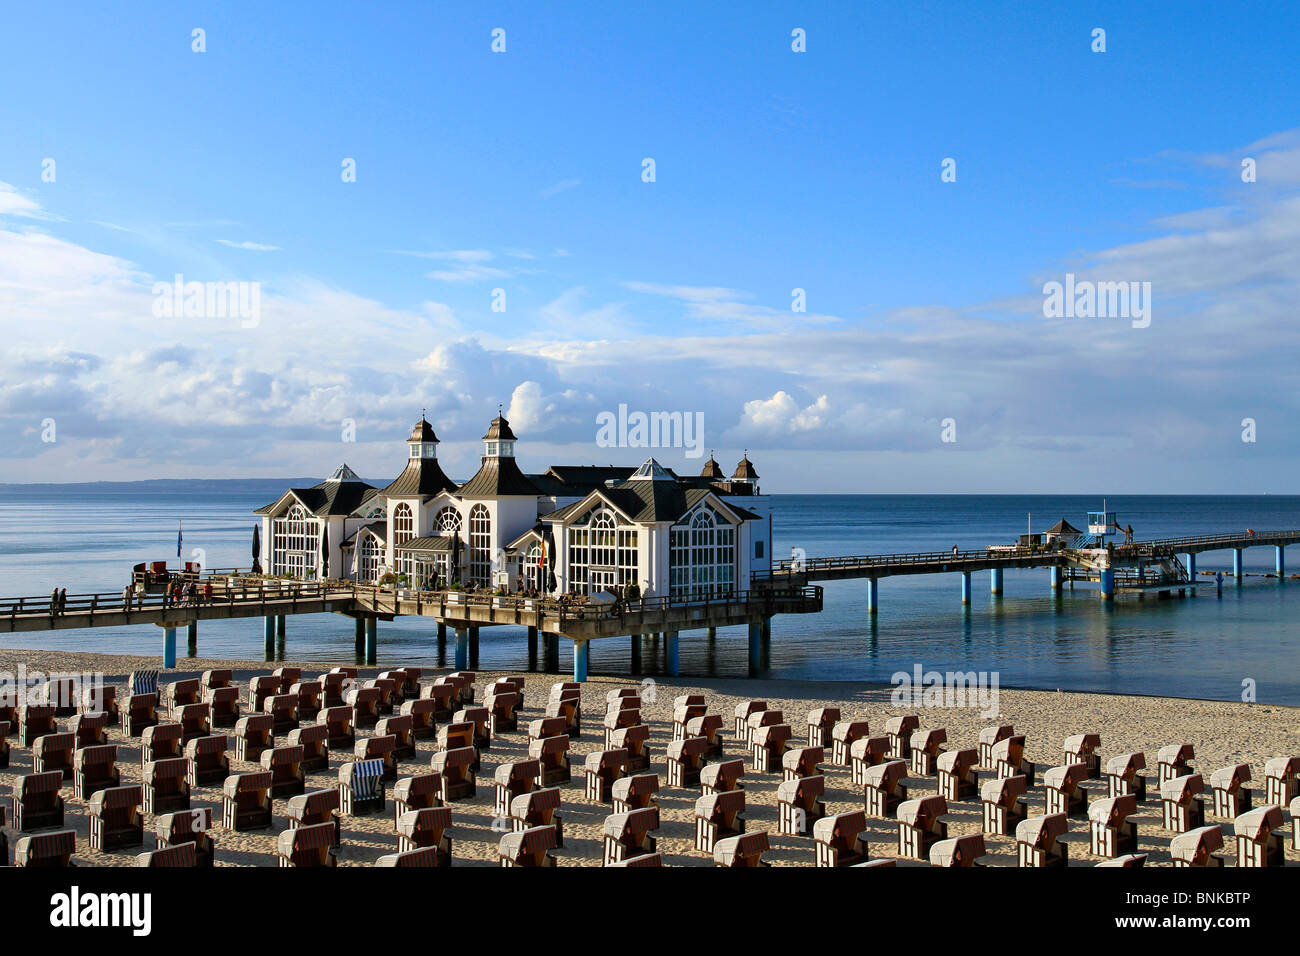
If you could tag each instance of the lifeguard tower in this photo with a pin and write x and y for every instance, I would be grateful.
(1101, 525)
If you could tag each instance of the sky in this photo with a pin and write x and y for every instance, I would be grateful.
(429, 223)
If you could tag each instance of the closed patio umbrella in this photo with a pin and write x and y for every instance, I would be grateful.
(455, 559)
(257, 549)
(325, 552)
(551, 583)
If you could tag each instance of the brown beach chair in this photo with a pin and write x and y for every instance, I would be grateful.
(37, 801)
(314, 741)
(307, 846)
(1281, 780)
(426, 856)
(309, 697)
(46, 849)
(538, 809)
(768, 746)
(4, 744)
(544, 727)
(400, 729)
(919, 826)
(802, 762)
(90, 729)
(821, 721)
(361, 787)
(989, 736)
(209, 761)
(1004, 805)
(407, 681)
(683, 761)
(1038, 841)
(502, 709)
(838, 839)
(195, 720)
(365, 702)
(866, 752)
(685, 709)
(634, 740)
(192, 827)
(1082, 748)
(708, 726)
(54, 752)
(635, 792)
(745, 850)
(287, 677)
(926, 746)
(1174, 761)
(416, 793)
(94, 769)
(883, 790)
(246, 801)
(254, 734)
(96, 698)
(1009, 759)
(388, 697)
(722, 777)
(445, 700)
(957, 777)
(178, 694)
(213, 679)
(456, 768)
(259, 689)
(627, 835)
(315, 807)
(283, 711)
(552, 755)
(332, 688)
(180, 855)
(568, 705)
(61, 694)
(1196, 847)
(618, 720)
(285, 766)
(1182, 803)
(601, 769)
(529, 847)
(1123, 777)
(958, 851)
(1231, 798)
(1110, 832)
(337, 722)
(799, 804)
(1063, 792)
(1128, 860)
(464, 681)
(761, 718)
(513, 779)
(115, 818)
(138, 712)
(423, 714)
(160, 742)
(166, 785)
(899, 730)
(379, 748)
(742, 713)
(843, 735)
(480, 717)
(223, 706)
(458, 735)
(35, 721)
(427, 827)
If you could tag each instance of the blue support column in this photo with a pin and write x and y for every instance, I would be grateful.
(372, 639)
(169, 647)
(462, 649)
(579, 662)
(1055, 572)
(873, 596)
(1236, 564)
(673, 666)
(965, 587)
(270, 629)
(756, 646)
(279, 626)
(1191, 567)
(995, 581)
(1281, 561)
(1108, 585)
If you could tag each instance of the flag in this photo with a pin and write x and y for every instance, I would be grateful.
(178, 539)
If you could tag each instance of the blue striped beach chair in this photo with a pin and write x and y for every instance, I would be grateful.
(361, 787)
(143, 682)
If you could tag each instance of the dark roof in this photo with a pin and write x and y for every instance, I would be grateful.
(646, 501)
(499, 430)
(745, 469)
(378, 528)
(712, 469)
(1062, 527)
(421, 478)
(498, 477)
(423, 432)
(435, 543)
(327, 498)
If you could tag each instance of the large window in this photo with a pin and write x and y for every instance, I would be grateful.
(447, 523)
(602, 553)
(370, 556)
(702, 556)
(480, 545)
(403, 524)
(295, 542)
(530, 570)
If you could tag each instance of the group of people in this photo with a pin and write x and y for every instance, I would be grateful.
(187, 593)
(58, 602)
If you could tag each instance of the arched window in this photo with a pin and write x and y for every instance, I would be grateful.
(370, 556)
(480, 545)
(447, 523)
(702, 556)
(532, 570)
(403, 524)
(602, 553)
(295, 542)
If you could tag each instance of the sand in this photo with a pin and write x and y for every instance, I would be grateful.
(1222, 733)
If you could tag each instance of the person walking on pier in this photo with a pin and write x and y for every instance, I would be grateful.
(126, 598)
(63, 601)
(54, 603)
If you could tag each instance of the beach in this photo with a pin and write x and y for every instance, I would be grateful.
(1222, 733)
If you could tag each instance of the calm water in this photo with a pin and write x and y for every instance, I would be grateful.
(1202, 647)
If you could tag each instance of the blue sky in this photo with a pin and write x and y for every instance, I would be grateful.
(775, 170)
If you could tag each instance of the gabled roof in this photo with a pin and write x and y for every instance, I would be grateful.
(377, 528)
(343, 473)
(651, 470)
(421, 478)
(497, 478)
(534, 532)
(334, 496)
(646, 502)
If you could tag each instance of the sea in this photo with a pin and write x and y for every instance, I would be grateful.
(1221, 644)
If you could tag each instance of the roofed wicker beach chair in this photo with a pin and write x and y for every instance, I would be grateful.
(958, 851)
(529, 847)
(683, 761)
(445, 700)
(253, 734)
(379, 748)
(926, 746)
(8, 717)
(866, 752)
(209, 761)
(46, 849)
(745, 850)
(1230, 795)
(166, 785)
(618, 717)
(838, 839)
(719, 816)
(464, 681)
(115, 818)
(635, 792)
(285, 766)
(520, 684)
(708, 726)
(686, 708)
(61, 694)
(1009, 759)
(406, 683)
(90, 729)
(559, 688)
(989, 736)
(416, 793)
(761, 718)
(137, 712)
(361, 787)
(337, 722)
(821, 721)
(426, 827)
(627, 834)
(1281, 780)
(802, 762)
(179, 693)
(54, 752)
(844, 734)
(364, 702)
(503, 711)
(1123, 776)
(648, 860)
(722, 777)
(512, 779)
(1295, 824)
(799, 804)
(212, 679)
(767, 746)
(223, 706)
(480, 719)
(1038, 841)
(160, 742)
(96, 698)
(400, 729)
(552, 756)
(634, 740)
(1174, 761)
(307, 846)
(195, 721)
(601, 769)
(1110, 832)
(1063, 793)
(538, 809)
(1082, 748)
(1196, 847)
(1127, 860)
(142, 682)
(332, 687)
(4, 744)
(545, 727)
(899, 730)
(456, 768)
(287, 676)
(423, 713)
(567, 703)
(35, 721)
(957, 777)
(180, 855)
(1259, 837)
(742, 713)
(346, 671)
(283, 711)
(388, 698)
(260, 688)
(193, 827)
(883, 790)
(1004, 804)
(314, 741)
(246, 801)
(919, 826)
(309, 697)
(426, 856)
(37, 801)
(1182, 803)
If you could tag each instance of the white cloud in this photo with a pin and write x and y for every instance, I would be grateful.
(250, 246)
(562, 186)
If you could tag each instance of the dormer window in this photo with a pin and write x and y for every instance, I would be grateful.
(499, 449)
(426, 449)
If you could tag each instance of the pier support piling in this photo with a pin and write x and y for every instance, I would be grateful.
(1191, 567)
(372, 639)
(713, 633)
(1236, 564)
(1280, 562)
(756, 645)
(1108, 585)
(1055, 572)
(636, 653)
(279, 625)
(169, 647)
(965, 587)
(473, 648)
(672, 665)
(462, 649)
(873, 595)
(995, 582)
(268, 632)
(192, 635)
(580, 661)
(359, 635)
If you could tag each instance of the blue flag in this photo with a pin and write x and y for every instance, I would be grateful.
(178, 539)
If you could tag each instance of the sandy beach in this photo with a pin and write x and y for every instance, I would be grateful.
(1222, 733)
